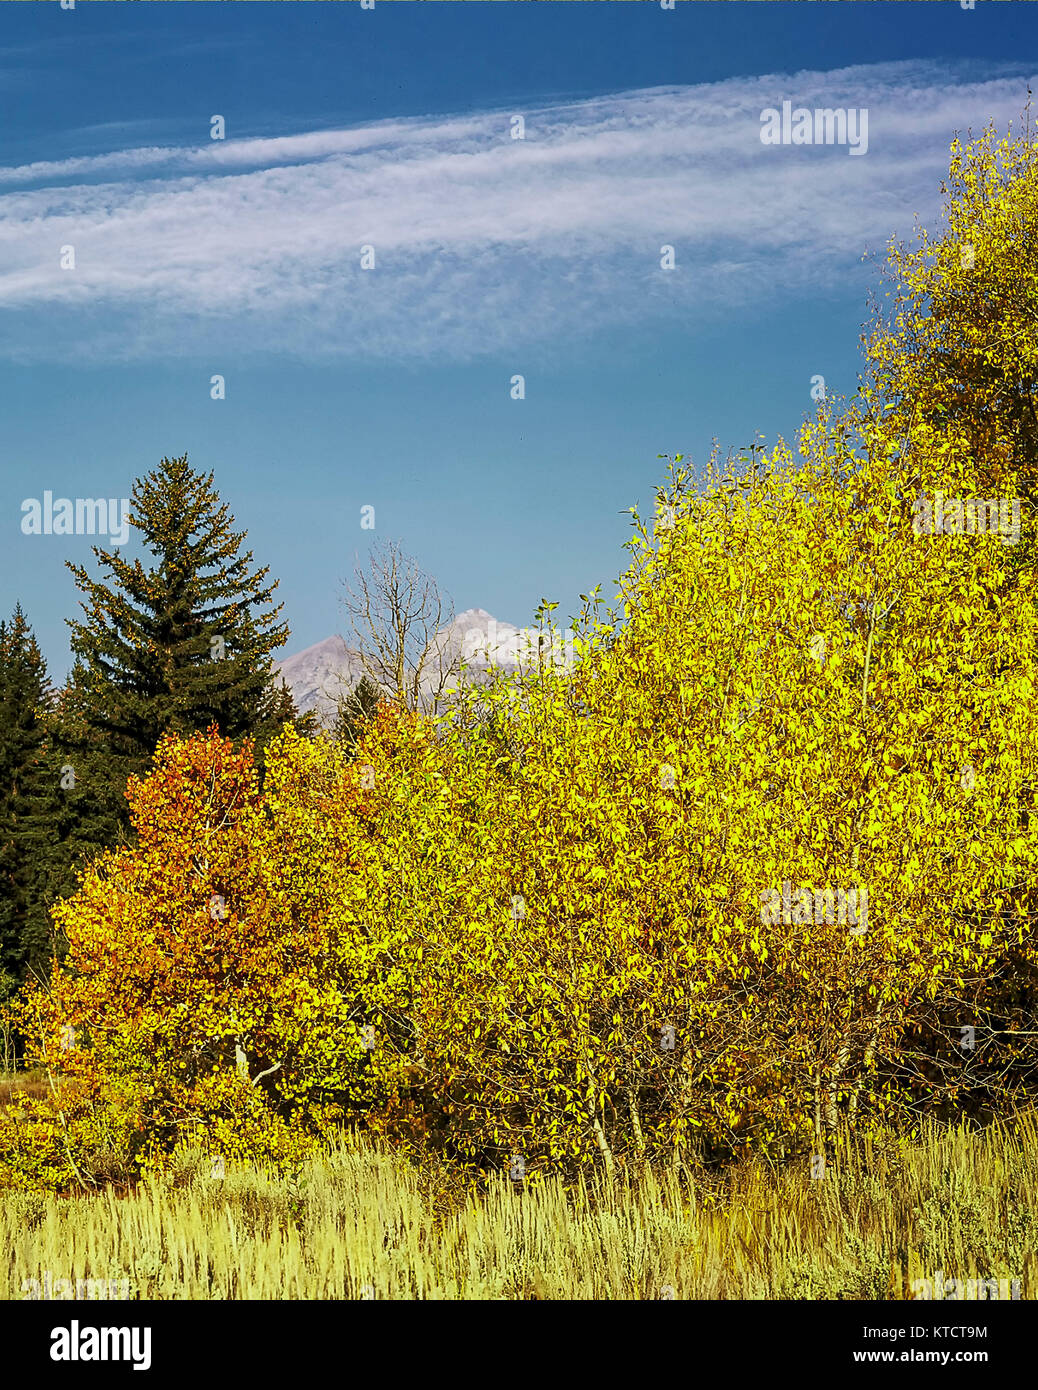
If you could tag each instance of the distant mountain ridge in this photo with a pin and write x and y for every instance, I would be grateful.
(329, 668)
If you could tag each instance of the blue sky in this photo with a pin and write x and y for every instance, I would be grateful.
(390, 387)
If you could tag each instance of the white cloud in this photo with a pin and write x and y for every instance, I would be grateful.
(482, 243)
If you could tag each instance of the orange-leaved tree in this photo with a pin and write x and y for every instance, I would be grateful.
(216, 987)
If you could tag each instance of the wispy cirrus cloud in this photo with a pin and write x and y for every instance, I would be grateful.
(481, 242)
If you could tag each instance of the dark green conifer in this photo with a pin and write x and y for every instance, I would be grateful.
(25, 698)
(354, 710)
(185, 642)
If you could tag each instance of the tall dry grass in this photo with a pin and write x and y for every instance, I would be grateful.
(362, 1223)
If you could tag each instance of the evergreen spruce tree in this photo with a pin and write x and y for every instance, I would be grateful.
(82, 808)
(354, 710)
(25, 695)
(185, 643)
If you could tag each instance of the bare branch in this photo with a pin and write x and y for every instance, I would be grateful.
(397, 620)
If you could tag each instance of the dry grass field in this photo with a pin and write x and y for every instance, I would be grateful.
(362, 1223)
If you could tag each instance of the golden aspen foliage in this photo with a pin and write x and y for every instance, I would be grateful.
(649, 807)
(761, 863)
(956, 349)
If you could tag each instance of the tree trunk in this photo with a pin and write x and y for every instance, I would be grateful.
(604, 1149)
